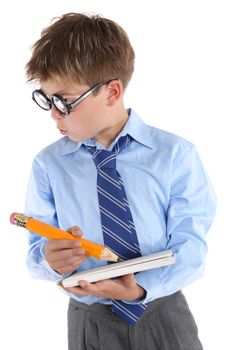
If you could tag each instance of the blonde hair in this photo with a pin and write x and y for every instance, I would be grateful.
(82, 48)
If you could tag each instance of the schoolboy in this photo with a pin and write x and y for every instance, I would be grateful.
(83, 65)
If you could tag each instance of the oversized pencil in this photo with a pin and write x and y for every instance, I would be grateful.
(95, 250)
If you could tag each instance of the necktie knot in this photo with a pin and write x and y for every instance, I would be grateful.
(104, 159)
(107, 159)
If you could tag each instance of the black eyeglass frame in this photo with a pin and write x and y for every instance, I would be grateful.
(67, 106)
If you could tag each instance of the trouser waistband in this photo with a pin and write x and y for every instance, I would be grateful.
(105, 308)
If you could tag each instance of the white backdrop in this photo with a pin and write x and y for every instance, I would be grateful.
(183, 83)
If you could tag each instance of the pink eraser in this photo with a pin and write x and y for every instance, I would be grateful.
(12, 218)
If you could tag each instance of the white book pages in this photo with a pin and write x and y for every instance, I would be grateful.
(122, 268)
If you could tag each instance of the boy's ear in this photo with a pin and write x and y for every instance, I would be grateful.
(114, 92)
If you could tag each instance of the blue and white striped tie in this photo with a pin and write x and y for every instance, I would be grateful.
(117, 223)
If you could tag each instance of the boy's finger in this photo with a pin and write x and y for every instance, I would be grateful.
(70, 264)
(67, 253)
(59, 244)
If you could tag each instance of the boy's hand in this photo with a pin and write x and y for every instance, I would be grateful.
(123, 288)
(65, 256)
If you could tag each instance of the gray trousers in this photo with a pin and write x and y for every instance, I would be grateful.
(167, 324)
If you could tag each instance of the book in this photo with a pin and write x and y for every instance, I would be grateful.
(118, 269)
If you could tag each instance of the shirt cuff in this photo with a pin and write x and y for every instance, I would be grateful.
(153, 289)
(136, 301)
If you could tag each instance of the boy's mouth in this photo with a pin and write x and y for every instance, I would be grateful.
(62, 131)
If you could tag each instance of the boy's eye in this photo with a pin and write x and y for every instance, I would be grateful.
(69, 99)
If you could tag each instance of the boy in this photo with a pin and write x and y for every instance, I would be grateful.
(130, 186)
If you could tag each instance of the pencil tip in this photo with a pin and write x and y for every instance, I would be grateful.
(107, 254)
(120, 259)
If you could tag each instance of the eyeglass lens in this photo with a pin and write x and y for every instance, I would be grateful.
(59, 104)
(41, 100)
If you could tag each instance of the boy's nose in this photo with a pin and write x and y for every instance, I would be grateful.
(55, 114)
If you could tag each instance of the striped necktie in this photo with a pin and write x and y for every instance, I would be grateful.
(117, 223)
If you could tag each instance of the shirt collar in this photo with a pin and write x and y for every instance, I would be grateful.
(135, 127)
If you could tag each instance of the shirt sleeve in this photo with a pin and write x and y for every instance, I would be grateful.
(40, 205)
(190, 213)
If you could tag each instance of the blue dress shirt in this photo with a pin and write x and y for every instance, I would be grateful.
(170, 196)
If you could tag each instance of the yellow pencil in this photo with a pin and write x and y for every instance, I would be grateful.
(95, 250)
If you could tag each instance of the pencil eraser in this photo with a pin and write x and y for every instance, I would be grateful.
(12, 218)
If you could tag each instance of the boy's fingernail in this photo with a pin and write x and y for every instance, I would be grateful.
(76, 232)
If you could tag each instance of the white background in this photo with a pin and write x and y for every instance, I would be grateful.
(183, 83)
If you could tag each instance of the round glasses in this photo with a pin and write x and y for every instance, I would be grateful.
(59, 102)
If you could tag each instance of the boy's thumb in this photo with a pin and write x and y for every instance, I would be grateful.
(129, 279)
(75, 231)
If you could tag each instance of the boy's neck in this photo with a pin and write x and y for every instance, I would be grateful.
(107, 136)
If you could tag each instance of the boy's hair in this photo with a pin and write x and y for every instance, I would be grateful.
(84, 49)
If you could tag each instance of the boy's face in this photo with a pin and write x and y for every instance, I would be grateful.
(95, 117)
